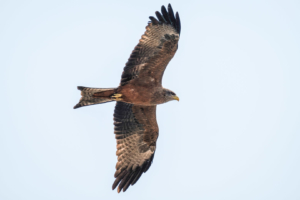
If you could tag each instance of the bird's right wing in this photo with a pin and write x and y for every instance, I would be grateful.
(136, 132)
(155, 49)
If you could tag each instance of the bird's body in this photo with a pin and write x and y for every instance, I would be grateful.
(138, 94)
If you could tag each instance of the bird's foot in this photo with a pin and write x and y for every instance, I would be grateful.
(117, 97)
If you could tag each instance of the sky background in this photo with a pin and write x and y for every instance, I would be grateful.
(235, 134)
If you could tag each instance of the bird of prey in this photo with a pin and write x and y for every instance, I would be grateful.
(139, 92)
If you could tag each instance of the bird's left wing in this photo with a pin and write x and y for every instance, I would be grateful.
(136, 131)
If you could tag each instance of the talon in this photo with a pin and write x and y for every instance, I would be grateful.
(116, 95)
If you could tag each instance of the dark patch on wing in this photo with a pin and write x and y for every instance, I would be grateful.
(136, 132)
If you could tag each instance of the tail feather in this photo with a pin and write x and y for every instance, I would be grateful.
(91, 96)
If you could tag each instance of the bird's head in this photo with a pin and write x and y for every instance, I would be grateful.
(170, 95)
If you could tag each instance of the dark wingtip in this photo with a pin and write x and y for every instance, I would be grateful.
(153, 20)
(178, 24)
(80, 87)
(167, 17)
(77, 106)
(119, 179)
(170, 8)
(160, 17)
(165, 14)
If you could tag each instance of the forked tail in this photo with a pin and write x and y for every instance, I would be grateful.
(91, 96)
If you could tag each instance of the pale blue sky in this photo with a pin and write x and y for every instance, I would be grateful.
(234, 134)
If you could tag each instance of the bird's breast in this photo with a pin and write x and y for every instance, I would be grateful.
(135, 94)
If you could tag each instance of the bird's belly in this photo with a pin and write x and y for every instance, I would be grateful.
(136, 95)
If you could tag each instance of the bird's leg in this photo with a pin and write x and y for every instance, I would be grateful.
(117, 97)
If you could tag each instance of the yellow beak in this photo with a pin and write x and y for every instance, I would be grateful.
(176, 98)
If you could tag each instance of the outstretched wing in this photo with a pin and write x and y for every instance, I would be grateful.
(136, 132)
(155, 49)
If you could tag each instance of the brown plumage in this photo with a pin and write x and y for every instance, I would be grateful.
(139, 92)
